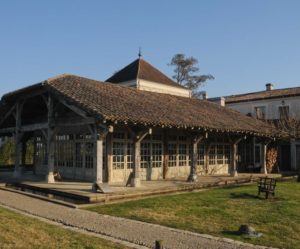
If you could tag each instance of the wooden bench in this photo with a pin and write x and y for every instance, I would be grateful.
(266, 185)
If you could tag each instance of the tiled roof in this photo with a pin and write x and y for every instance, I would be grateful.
(116, 103)
(277, 93)
(141, 69)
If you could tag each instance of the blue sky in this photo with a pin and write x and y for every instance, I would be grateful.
(243, 43)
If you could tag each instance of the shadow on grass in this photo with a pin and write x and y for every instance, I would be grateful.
(255, 197)
(243, 196)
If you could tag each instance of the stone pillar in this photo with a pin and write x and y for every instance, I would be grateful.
(50, 142)
(264, 159)
(18, 143)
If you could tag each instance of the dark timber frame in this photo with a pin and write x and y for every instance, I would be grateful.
(41, 111)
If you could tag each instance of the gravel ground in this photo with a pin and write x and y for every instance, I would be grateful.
(127, 230)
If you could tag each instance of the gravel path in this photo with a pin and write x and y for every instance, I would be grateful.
(127, 230)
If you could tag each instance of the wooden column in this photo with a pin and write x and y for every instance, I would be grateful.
(50, 141)
(234, 172)
(135, 180)
(24, 150)
(109, 159)
(193, 174)
(166, 155)
(98, 157)
(264, 158)
(234, 157)
(18, 143)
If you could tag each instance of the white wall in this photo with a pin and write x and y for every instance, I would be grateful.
(271, 105)
(162, 88)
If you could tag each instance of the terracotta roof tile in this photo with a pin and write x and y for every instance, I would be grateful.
(124, 104)
(276, 93)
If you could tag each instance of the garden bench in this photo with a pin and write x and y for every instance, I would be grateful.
(266, 185)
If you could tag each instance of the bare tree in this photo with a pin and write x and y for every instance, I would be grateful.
(187, 73)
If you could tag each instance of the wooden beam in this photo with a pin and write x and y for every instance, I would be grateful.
(67, 123)
(73, 108)
(11, 110)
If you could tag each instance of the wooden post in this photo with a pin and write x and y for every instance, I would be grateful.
(50, 141)
(109, 157)
(136, 181)
(99, 138)
(234, 172)
(166, 155)
(24, 150)
(98, 158)
(264, 159)
(193, 174)
(18, 144)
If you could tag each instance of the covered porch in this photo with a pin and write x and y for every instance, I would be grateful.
(82, 130)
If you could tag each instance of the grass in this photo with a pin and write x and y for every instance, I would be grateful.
(18, 231)
(221, 211)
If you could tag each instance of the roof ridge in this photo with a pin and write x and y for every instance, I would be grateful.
(249, 93)
(60, 76)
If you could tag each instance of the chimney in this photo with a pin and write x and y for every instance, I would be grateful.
(269, 87)
(203, 95)
(222, 101)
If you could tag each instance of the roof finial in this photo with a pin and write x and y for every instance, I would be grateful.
(140, 52)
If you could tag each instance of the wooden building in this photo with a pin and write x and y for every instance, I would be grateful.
(142, 123)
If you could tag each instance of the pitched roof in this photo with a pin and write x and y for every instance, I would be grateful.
(276, 93)
(117, 103)
(141, 69)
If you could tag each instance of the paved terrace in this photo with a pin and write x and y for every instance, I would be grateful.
(118, 192)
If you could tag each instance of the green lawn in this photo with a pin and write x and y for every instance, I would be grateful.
(18, 231)
(221, 211)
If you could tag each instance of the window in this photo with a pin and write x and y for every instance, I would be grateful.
(182, 151)
(64, 156)
(79, 155)
(260, 112)
(172, 150)
(283, 112)
(227, 154)
(219, 154)
(156, 155)
(200, 159)
(118, 155)
(129, 155)
(257, 154)
(145, 154)
(41, 151)
(89, 158)
(212, 155)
